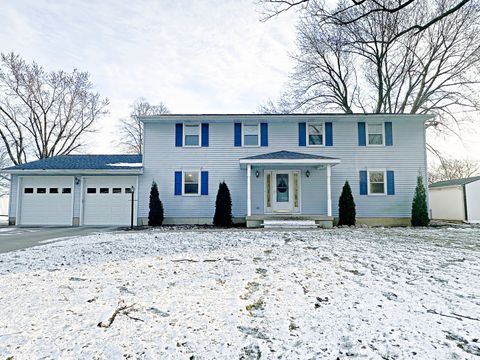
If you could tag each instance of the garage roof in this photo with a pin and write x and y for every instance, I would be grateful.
(83, 162)
(455, 182)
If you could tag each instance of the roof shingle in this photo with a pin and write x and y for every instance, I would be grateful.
(83, 162)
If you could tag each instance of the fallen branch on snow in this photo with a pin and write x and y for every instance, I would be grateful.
(185, 260)
(108, 322)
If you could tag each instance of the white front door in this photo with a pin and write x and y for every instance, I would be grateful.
(282, 187)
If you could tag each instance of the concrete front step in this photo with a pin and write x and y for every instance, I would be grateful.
(284, 224)
(286, 220)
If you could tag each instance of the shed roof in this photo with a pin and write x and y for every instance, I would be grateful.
(455, 182)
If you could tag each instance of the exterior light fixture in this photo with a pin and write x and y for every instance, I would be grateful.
(257, 173)
(77, 180)
(307, 173)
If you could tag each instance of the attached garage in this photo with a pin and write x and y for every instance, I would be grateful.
(46, 200)
(75, 190)
(107, 200)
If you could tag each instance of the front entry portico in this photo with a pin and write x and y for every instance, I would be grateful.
(283, 173)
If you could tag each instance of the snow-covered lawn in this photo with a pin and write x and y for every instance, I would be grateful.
(203, 294)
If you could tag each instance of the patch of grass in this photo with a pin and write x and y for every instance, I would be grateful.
(258, 305)
(292, 326)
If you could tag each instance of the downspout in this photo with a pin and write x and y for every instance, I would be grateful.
(465, 201)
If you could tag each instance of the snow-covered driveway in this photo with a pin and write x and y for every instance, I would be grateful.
(374, 293)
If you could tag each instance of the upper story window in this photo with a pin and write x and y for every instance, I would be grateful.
(251, 135)
(315, 134)
(191, 184)
(376, 182)
(375, 134)
(191, 133)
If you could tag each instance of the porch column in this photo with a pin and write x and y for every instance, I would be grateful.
(329, 190)
(249, 190)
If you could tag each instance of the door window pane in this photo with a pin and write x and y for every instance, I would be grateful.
(116, 190)
(66, 191)
(53, 191)
(192, 135)
(190, 183)
(128, 190)
(103, 190)
(91, 190)
(28, 190)
(41, 190)
(282, 188)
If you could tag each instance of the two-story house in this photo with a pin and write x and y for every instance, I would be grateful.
(276, 166)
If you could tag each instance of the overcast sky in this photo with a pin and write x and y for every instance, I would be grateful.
(205, 56)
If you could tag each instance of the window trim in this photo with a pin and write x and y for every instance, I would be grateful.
(367, 140)
(323, 133)
(258, 135)
(184, 144)
(384, 171)
(199, 174)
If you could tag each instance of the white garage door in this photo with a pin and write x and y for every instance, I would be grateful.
(107, 200)
(46, 200)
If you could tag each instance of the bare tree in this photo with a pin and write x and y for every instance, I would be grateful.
(131, 128)
(348, 12)
(363, 66)
(4, 178)
(450, 169)
(44, 113)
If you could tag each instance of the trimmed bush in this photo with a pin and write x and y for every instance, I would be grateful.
(419, 205)
(223, 206)
(346, 206)
(155, 215)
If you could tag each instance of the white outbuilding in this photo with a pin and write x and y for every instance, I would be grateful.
(457, 199)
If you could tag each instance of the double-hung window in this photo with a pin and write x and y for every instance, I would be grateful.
(315, 134)
(251, 134)
(191, 134)
(375, 134)
(191, 183)
(376, 182)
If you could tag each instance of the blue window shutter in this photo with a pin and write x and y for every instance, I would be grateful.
(204, 185)
(328, 134)
(390, 183)
(388, 134)
(264, 134)
(178, 134)
(204, 135)
(238, 134)
(302, 134)
(363, 183)
(362, 134)
(178, 183)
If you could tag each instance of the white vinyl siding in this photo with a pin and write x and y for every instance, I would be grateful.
(407, 158)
